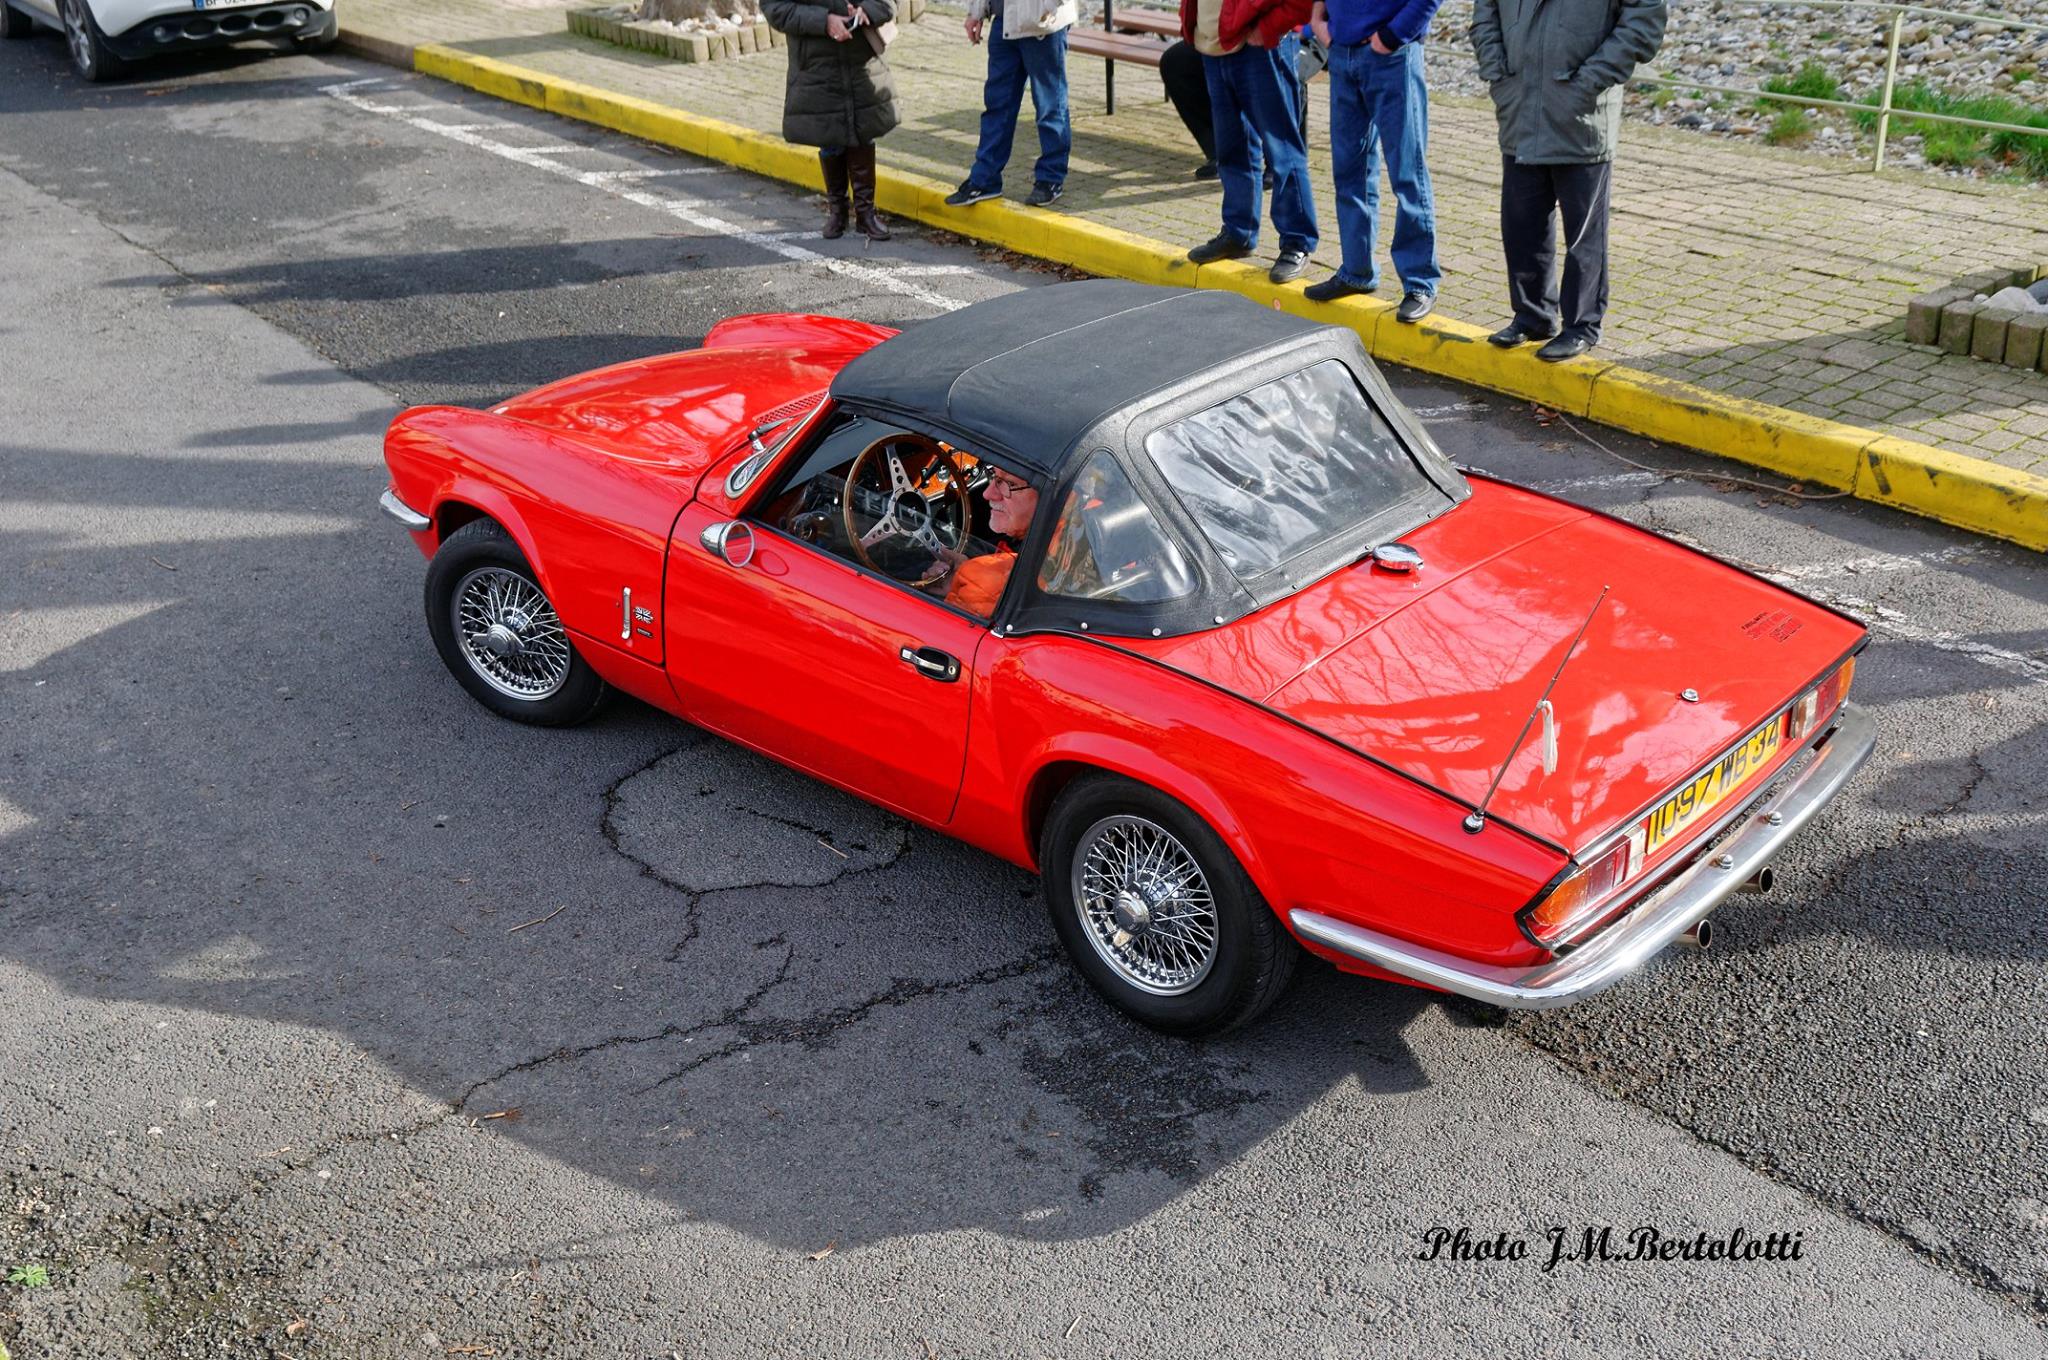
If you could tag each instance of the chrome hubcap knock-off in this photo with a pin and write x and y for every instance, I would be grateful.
(509, 634)
(1145, 905)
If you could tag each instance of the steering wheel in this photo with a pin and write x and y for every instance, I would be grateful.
(916, 479)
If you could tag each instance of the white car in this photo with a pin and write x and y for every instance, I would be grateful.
(106, 35)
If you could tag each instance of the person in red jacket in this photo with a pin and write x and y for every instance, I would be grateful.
(1248, 52)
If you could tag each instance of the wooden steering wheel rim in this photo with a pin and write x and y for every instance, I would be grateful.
(900, 483)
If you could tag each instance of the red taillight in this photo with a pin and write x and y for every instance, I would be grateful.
(1588, 896)
(1818, 704)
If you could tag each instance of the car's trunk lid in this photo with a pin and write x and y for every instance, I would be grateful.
(1436, 675)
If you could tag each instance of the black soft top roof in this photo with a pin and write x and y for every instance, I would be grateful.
(1032, 371)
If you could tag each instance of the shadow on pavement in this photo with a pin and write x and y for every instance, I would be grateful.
(266, 799)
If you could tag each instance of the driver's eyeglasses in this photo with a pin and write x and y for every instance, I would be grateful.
(1010, 485)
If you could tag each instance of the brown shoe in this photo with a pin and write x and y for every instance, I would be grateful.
(835, 194)
(860, 169)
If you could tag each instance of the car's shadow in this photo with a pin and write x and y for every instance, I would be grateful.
(760, 1001)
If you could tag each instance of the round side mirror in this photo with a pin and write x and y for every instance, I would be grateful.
(733, 540)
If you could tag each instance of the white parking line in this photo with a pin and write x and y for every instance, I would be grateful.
(923, 271)
(1594, 483)
(632, 176)
(1887, 620)
(1874, 563)
(686, 210)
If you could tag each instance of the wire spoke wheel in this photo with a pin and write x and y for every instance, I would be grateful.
(510, 634)
(1145, 904)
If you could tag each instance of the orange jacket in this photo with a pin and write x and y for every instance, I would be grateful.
(978, 582)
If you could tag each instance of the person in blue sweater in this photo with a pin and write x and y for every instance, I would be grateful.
(1380, 103)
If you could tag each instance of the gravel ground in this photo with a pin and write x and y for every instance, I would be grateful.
(1742, 45)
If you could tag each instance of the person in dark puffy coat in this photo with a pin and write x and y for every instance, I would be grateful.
(840, 98)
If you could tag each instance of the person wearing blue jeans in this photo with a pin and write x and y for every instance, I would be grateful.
(1249, 50)
(1379, 103)
(1027, 42)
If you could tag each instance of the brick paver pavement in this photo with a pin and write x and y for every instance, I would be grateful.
(1774, 275)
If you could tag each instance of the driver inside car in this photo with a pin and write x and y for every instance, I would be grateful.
(978, 582)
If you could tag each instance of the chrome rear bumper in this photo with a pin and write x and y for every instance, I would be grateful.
(1671, 910)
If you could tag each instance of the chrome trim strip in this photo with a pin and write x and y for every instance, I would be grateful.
(403, 513)
(1655, 922)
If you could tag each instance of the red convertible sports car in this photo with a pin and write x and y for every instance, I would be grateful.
(1163, 595)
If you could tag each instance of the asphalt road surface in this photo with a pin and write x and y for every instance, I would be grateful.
(340, 1018)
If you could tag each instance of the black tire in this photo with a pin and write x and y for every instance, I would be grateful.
(482, 547)
(95, 61)
(1254, 956)
(326, 38)
(14, 23)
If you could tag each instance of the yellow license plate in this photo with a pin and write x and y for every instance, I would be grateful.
(1727, 775)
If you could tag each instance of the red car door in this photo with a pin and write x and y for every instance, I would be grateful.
(855, 679)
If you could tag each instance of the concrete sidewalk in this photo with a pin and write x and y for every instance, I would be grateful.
(1776, 277)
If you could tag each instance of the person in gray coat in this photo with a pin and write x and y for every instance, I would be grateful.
(1556, 69)
(839, 98)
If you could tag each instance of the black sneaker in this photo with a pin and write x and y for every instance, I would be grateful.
(1206, 170)
(1329, 290)
(969, 192)
(1291, 265)
(1415, 306)
(1221, 246)
(1044, 195)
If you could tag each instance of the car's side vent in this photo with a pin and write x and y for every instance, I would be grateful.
(789, 410)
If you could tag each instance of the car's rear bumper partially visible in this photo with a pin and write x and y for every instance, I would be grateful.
(1667, 913)
(285, 24)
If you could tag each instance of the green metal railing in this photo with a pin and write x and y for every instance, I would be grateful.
(1884, 108)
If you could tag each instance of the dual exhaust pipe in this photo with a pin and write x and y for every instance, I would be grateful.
(1701, 935)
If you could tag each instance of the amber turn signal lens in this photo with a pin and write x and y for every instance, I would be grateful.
(1579, 901)
(1818, 704)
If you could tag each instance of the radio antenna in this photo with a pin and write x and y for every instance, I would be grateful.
(1475, 821)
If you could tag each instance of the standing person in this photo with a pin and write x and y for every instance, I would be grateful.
(1555, 69)
(1248, 52)
(1186, 78)
(1379, 102)
(839, 98)
(1027, 40)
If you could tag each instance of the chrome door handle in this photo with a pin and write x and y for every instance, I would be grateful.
(931, 663)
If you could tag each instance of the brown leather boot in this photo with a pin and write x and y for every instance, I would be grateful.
(860, 168)
(835, 193)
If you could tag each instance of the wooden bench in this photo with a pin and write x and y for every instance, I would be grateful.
(1132, 36)
(1164, 23)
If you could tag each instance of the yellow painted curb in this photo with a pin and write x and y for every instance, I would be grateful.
(1457, 350)
(1804, 448)
(1968, 493)
(513, 83)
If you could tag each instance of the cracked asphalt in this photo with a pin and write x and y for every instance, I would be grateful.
(342, 1019)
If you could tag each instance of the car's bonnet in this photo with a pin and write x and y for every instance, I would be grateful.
(682, 410)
